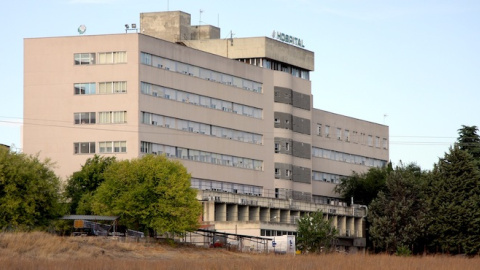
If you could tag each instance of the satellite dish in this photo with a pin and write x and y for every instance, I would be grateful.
(81, 29)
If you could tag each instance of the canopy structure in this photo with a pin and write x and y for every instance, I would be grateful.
(89, 217)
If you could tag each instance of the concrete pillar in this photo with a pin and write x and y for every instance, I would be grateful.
(220, 212)
(232, 212)
(265, 214)
(208, 211)
(254, 213)
(284, 216)
(275, 215)
(243, 213)
(358, 227)
(333, 221)
(350, 228)
(294, 215)
(342, 225)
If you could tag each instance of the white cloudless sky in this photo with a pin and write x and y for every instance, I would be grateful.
(412, 65)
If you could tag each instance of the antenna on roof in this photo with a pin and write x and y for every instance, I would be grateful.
(231, 37)
(200, 20)
(134, 27)
(81, 29)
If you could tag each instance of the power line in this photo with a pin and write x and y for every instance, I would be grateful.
(134, 129)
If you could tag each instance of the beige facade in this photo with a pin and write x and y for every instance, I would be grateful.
(236, 112)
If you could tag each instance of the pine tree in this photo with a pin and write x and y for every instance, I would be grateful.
(454, 199)
(469, 141)
(398, 214)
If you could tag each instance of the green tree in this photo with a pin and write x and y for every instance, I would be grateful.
(150, 193)
(315, 233)
(454, 198)
(469, 141)
(398, 215)
(363, 187)
(29, 191)
(82, 184)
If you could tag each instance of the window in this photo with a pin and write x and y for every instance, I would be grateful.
(159, 62)
(355, 136)
(113, 147)
(207, 157)
(339, 133)
(84, 118)
(277, 171)
(347, 135)
(84, 58)
(146, 58)
(277, 147)
(288, 172)
(84, 148)
(377, 142)
(287, 146)
(84, 88)
(346, 157)
(105, 147)
(319, 129)
(112, 87)
(195, 71)
(277, 121)
(370, 140)
(120, 147)
(112, 117)
(112, 57)
(197, 100)
(327, 131)
(385, 143)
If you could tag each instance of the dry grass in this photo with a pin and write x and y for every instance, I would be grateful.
(44, 251)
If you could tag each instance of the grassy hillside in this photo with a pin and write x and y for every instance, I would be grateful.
(44, 251)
